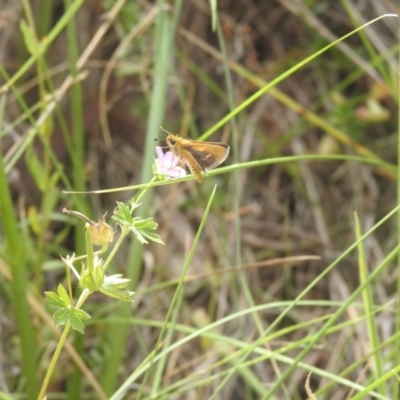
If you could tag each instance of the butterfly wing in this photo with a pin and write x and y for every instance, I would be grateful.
(209, 154)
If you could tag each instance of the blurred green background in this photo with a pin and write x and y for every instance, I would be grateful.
(85, 86)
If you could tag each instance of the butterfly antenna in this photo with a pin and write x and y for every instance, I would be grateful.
(164, 130)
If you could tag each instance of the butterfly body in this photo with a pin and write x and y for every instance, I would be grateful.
(198, 156)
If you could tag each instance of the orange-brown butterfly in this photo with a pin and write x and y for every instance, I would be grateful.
(197, 156)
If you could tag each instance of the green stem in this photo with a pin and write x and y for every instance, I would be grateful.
(84, 295)
(116, 247)
(143, 192)
(89, 249)
(126, 231)
(53, 362)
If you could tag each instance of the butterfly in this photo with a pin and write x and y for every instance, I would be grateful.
(197, 156)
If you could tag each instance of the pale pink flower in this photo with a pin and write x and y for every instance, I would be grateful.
(166, 164)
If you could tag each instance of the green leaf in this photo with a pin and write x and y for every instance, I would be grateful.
(50, 200)
(115, 281)
(140, 227)
(76, 322)
(76, 317)
(139, 236)
(29, 37)
(62, 293)
(115, 286)
(54, 300)
(36, 168)
(61, 316)
(82, 315)
(61, 300)
(125, 295)
(142, 230)
(153, 237)
(146, 224)
(123, 214)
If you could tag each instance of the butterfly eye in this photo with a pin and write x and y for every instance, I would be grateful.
(172, 141)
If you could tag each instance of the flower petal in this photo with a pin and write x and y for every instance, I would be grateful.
(167, 164)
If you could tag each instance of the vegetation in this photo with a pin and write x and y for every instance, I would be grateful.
(276, 277)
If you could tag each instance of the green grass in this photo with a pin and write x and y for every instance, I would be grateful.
(284, 261)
